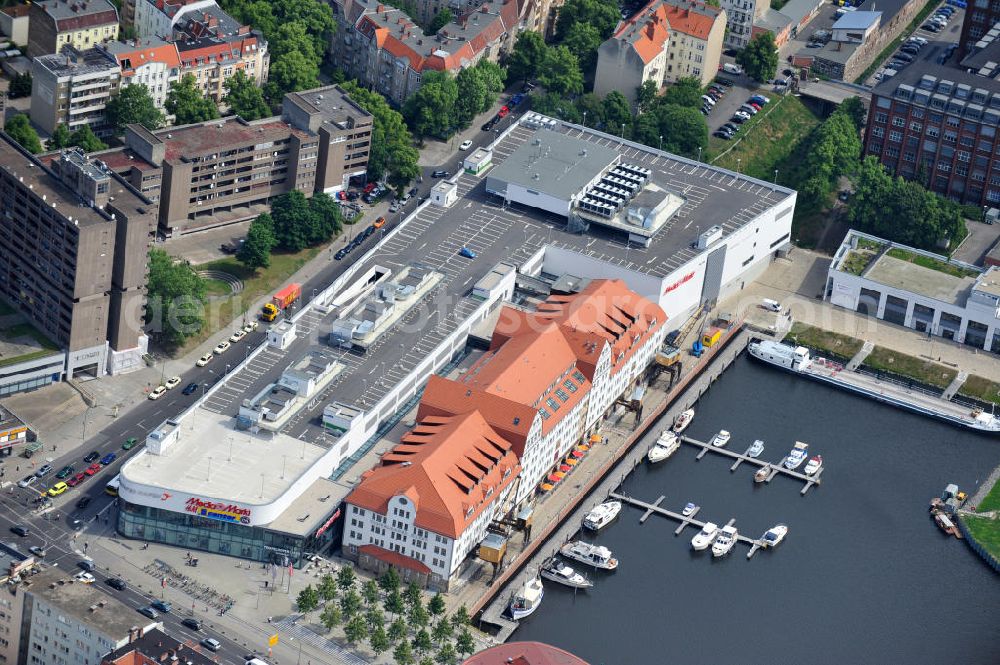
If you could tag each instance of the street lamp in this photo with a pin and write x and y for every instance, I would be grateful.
(584, 118)
(699, 153)
(775, 176)
(623, 131)
(661, 142)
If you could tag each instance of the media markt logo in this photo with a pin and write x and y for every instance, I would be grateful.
(225, 512)
(165, 496)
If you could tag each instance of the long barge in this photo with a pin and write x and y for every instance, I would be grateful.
(798, 361)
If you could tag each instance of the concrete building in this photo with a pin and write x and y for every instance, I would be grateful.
(157, 18)
(384, 49)
(154, 647)
(786, 23)
(14, 23)
(81, 24)
(981, 16)
(225, 171)
(741, 15)
(66, 622)
(75, 261)
(151, 62)
(665, 41)
(938, 296)
(942, 120)
(73, 88)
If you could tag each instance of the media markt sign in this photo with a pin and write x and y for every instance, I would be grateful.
(224, 512)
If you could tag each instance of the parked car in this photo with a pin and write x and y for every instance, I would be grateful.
(467, 253)
(760, 98)
(723, 81)
(129, 443)
(19, 530)
(66, 471)
(440, 174)
(43, 470)
(905, 57)
(504, 111)
(205, 359)
(116, 583)
(931, 27)
(109, 458)
(77, 479)
(27, 481)
(92, 457)
(221, 347)
(93, 469)
(58, 489)
(516, 99)
(189, 388)
(191, 623)
(722, 134)
(739, 117)
(465, 145)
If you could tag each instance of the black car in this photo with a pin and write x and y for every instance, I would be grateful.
(116, 583)
(353, 195)
(722, 134)
(731, 127)
(83, 502)
(724, 81)
(193, 624)
(20, 530)
(340, 254)
(413, 191)
(189, 388)
(92, 457)
(367, 233)
(440, 174)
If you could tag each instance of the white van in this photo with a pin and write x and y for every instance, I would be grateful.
(732, 68)
(211, 644)
(771, 305)
(708, 100)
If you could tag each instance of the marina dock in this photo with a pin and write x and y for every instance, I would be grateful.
(651, 508)
(776, 467)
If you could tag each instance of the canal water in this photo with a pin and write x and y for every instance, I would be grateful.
(864, 575)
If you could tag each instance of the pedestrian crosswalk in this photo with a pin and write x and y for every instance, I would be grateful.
(288, 627)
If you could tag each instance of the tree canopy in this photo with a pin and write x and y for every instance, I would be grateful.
(244, 98)
(299, 222)
(186, 103)
(430, 110)
(391, 154)
(602, 15)
(85, 139)
(759, 58)
(20, 86)
(526, 56)
(133, 105)
(256, 253)
(441, 19)
(19, 128)
(176, 298)
(560, 72)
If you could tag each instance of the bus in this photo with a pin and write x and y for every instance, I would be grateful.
(112, 486)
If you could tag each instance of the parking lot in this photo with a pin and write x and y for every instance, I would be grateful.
(736, 95)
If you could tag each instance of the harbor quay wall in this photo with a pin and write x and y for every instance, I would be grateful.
(687, 392)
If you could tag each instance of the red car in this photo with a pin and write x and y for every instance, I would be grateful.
(77, 479)
(92, 469)
(369, 187)
(755, 105)
(503, 112)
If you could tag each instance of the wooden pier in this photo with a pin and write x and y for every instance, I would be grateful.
(776, 468)
(654, 507)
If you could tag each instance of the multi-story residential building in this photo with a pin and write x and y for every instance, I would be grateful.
(383, 48)
(667, 40)
(152, 62)
(14, 23)
(741, 16)
(225, 171)
(157, 18)
(73, 88)
(213, 46)
(74, 239)
(66, 622)
(430, 500)
(981, 16)
(154, 647)
(81, 24)
(940, 121)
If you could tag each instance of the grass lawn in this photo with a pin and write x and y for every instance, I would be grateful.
(857, 260)
(769, 139)
(932, 264)
(986, 531)
(824, 340)
(216, 287)
(915, 368)
(991, 501)
(980, 388)
(20, 331)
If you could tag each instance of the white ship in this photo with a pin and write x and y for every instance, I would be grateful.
(597, 556)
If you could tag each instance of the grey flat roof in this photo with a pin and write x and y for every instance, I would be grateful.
(796, 10)
(554, 163)
(989, 282)
(857, 20)
(312, 508)
(928, 282)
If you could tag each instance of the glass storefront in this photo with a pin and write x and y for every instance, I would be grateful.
(199, 533)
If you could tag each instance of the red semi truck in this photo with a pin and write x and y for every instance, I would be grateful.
(280, 301)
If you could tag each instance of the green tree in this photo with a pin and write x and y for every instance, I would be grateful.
(460, 617)
(646, 94)
(477, 89)
(560, 72)
(60, 138)
(436, 605)
(419, 616)
(327, 587)
(526, 57)
(20, 129)
(371, 593)
(176, 298)
(133, 105)
(392, 154)
(403, 653)
(355, 629)
(87, 140)
(430, 111)
(397, 630)
(293, 230)
(307, 600)
(426, 660)
(442, 630)
(292, 72)
(327, 220)
(379, 641)
(422, 642)
(603, 15)
(350, 603)
(593, 106)
(686, 91)
(446, 655)
(186, 103)
(256, 253)
(759, 58)
(374, 618)
(244, 98)
(463, 643)
(394, 602)
(684, 130)
(331, 617)
(441, 19)
(20, 86)
(617, 112)
(854, 108)
(412, 595)
(389, 582)
(583, 40)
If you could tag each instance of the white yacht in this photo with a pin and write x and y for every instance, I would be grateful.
(559, 572)
(797, 455)
(527, 599)
(762, 473)
(705, 537)
(725, 541)
(755, 449)
(813, 465)
(683, 420)
(721, 439)
(665, 446)
(597, 556)
(774, 535)
(602, 515)
(689, 509)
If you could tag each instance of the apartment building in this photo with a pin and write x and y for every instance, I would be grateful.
(667, 40)
(224, 171)
(66, 622)
(980, 18)
(152, 62)
(73, 88)
(157, 18)
(14, 23)
(740, 18)
(384, 49)
(213, 46)
(81, 24)
(428, 503)
(154, 647)
(74, 239)
(940, 121)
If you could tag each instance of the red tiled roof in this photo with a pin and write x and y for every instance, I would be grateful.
(451, 467)
(142, 55)
(647, 31)
(524, 653)
(692, 18)
(394, 559)
(16, 11)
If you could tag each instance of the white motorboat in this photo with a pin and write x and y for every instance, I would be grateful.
(597, 556)
(813, 465)
(774, 535)
(602, 515)
(762, 473)
(665, 446)
(725, 541)
(527, 599)
(705, 537)
(683, 420)
(755, 449)
(797, 455)
(721, 439)
(689, 509)
(559, 572)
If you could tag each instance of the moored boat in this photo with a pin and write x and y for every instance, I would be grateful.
(725, 541)
(560, 573)
(597, 556)
(705, 537)
(774, 535)
(721, 439)
(946, 524)
(796, 456)
(755, 449)
(689, 509)
(602, 515)
(813, 465)
(527, 599)
(762, 473)
(665, 446)
(683, 420)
